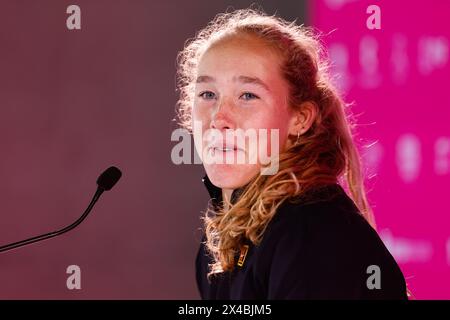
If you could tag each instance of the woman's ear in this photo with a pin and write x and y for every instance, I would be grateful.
(302, 118)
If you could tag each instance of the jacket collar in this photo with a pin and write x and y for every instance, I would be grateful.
(215, 193)
(320, 192)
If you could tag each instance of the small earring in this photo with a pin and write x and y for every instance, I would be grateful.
(298, 137)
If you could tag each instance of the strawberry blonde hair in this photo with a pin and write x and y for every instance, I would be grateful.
(325, 154)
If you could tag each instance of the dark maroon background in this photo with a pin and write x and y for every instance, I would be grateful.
(73, 103)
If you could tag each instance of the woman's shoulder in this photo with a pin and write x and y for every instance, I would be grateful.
(327, 242)
(326, 216)
(324, 207)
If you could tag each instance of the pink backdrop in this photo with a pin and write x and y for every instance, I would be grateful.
(398, 79)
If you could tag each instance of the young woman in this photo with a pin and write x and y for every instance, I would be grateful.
(293, 233)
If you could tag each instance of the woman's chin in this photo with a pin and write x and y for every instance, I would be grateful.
(230, 176)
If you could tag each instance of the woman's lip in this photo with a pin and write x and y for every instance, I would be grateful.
(225, 149)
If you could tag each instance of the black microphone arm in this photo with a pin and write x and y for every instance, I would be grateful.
(105, 182)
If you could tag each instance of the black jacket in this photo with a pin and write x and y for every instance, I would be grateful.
(320, 249)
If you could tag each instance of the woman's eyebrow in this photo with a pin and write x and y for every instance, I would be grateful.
(243, 79)
(253, 80)
(201, 79)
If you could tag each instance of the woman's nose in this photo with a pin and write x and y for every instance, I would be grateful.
(223, 117)
(220, 123)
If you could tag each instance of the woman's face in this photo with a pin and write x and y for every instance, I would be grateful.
(239, 86)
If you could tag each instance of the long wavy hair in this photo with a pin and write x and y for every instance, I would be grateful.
(324, 155)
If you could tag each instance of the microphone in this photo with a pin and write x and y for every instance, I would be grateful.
(105, 182)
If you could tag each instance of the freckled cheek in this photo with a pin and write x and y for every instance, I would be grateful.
(272, 139)
(200, 116)
(262, 120)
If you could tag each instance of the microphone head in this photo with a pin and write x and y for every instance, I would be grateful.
(109, 178)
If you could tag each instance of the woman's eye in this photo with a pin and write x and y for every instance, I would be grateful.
(207, 95)
(249, 96)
